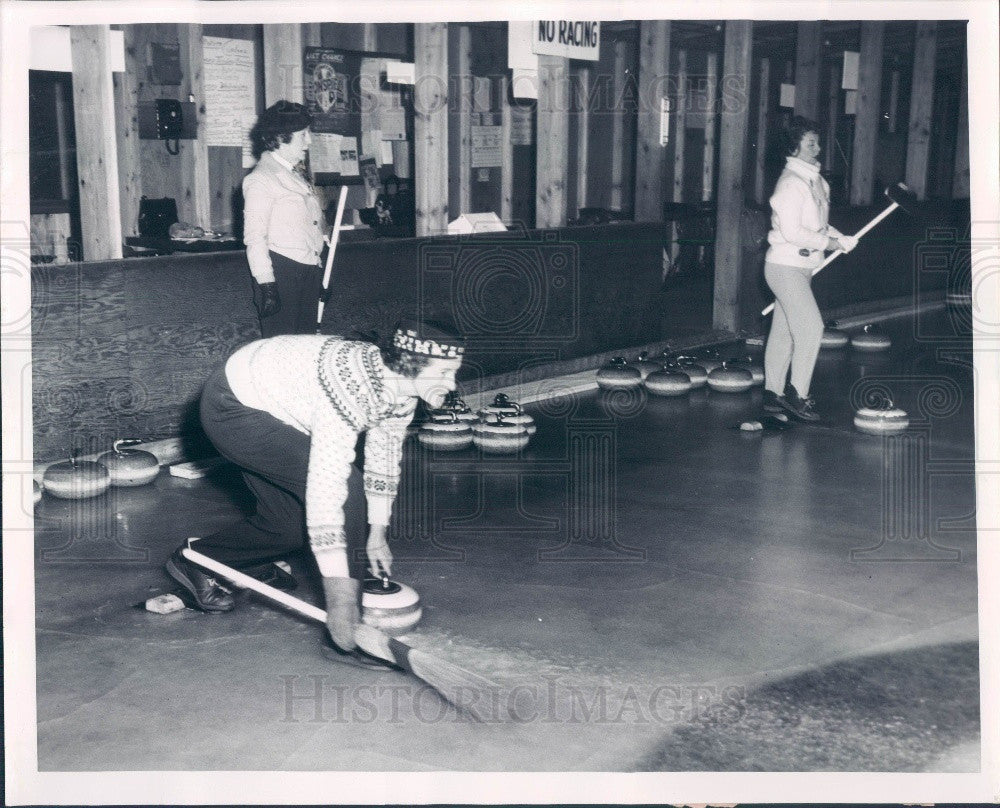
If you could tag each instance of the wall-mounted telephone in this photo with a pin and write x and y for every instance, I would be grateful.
(167, 119)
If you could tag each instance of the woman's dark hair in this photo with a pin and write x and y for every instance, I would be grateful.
(277, 124)
(404, 363)
(794, 131)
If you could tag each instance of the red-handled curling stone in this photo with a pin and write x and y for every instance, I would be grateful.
(645, 365)
(499, 436)
(76, 479)
(668, 381)
(511, 412)
(390, 606)
(617, 375)
(445, 436)
(727, 379)
(870, 339)
(130, 467)
(888, 420)
(697, 374)
(834, 337)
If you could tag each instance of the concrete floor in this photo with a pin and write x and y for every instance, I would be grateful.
(652, 589)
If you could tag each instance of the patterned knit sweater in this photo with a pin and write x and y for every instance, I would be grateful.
(332, 390)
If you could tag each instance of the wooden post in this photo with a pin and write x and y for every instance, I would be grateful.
(552, 149)
(893, 101)
(370, 37)
(460, 93)
(763, 107)
(506, 153)
(96, 144)
(808, 57)
(729, 205)
(282, 63)
(196, 206)
(617, 156)
(680, 137)
(651, 157)
(582, 135)
(708, 161)
(866, 119)
(960, 183)
(430, 125)
(126, 86)
(918, 141)
(832, 114)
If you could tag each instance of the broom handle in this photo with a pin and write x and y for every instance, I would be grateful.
(333, 249)
(836, 253)
(237, 577)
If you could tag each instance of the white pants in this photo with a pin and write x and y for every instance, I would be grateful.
(796, 329)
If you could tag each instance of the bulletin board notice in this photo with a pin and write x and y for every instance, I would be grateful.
(230, 93)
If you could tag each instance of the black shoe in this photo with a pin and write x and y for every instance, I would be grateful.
(356, 658)
(772, 401)
(801, 408)
(272, 575)
(208, 594)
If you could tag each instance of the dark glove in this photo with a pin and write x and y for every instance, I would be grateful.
(342, 613)
(270, 302)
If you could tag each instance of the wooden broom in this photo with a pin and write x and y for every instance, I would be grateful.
(467, 691)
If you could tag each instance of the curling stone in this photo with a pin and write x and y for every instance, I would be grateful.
(618, 375)
(130, 467)
(755, 368)
(453, 408)
(668, 381)
(446, 436)
(870, 340)
(511, 412)
(833, 337)
(36, 492)
(390, 606)
(76, 479)
(645, 365)
(709, 360)
(888, 420)
(496, 435)
(697, 374)
(728, 379)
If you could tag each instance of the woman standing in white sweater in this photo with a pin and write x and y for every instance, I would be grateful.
(799, 235)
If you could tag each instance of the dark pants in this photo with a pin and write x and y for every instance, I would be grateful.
(274, 459)
(299, 287)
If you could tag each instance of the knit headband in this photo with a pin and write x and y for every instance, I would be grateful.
(428, 341)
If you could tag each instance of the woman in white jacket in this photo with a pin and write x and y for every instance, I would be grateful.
(799, 235)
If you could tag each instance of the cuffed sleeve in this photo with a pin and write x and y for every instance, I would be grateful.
(256, 220)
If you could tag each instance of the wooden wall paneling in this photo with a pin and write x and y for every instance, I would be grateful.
(506, 153)
(552, 152)
(126, 89)
(867, 119)
(96, 144)
(960, 183)
(711, 116)
(195, 206)
(729, 206)
(430, 122)
(460, 93)
(918, 142)
(651, 157)
(282, 63)
(808, 58)
(680, 137)
(763, 110)
(225, 170)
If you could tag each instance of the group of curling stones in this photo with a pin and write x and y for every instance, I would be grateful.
(677, 374)
(502, 427)
(82, 479)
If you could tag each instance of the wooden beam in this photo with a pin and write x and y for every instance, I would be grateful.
(808, 57)
(96, 144)
(680, 138)
(552, 149)
(893, 110)
(617, 156)
(867, 117)
(832, 115)
(918, 141)
(430, 124)
(583, 78)
(651, 157)
(195, 206)
(370, 36)
(506, 153)
(461, 87)
(126, 87)
(763, 108)
(708, 152)
(729, 204)
(960, 183)
(282, 63)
